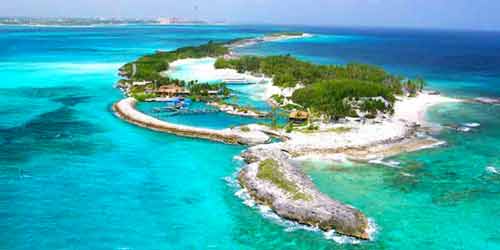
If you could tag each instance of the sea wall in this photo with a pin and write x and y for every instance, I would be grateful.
(125, 109)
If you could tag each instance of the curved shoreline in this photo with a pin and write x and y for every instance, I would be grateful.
(271, 179)
(125, 109)
(394, 136)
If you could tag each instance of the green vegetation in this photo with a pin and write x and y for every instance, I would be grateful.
(279, 99)
(245, 129)
(288, 71)
(332, 90)
(203, 91)
(269, 170)
(309, 129)
(142, 96)
(149, 67)
(289, 127)
(338, 98)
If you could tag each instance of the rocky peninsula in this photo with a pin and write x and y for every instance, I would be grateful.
(367, 114)
(271, 180)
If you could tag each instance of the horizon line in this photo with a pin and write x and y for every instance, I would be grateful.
(225, 22)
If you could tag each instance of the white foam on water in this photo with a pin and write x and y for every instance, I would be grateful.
(291, 226)
(472, 124)
(330, 158)
(247, 200)
(380, 161)
(464, 129)
(342, 239)
(407, 174)
(434, 145)
(493, 170)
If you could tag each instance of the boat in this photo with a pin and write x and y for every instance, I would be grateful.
(236, 81)
(472, 124)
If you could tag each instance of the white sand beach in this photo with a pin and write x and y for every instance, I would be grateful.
(409, 112)
(379, 138)
(413, 109)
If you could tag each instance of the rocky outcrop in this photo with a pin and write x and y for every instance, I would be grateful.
(125, 109)
(292, 195)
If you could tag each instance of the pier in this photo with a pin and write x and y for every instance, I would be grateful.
(125, 109)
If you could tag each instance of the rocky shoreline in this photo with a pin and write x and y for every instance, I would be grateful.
(304, 203)
(300, 201)
(270, 178)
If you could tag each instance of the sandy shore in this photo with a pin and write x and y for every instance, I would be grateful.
(409, 111)
(413, 109)
(126, 110)
(269, 38)
(288, 191)
(300, 200)
(369, 140)
(352, 141)
(203, 70)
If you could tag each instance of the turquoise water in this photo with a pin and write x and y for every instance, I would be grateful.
(73, 176)
(219, 120)
(246, 95)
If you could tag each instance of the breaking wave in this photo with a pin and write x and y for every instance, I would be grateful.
(493, 170)
(291, 226)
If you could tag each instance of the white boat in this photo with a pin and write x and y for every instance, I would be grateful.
(472, 124)
(492, 170)
(464, 129)
(235, 81)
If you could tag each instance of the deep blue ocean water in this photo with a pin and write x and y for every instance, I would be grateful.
(73, 176)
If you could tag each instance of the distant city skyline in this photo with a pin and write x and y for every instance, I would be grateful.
(443, 14)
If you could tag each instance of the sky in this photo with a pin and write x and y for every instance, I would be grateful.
(444, 14)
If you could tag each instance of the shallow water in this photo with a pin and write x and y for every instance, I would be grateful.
(219, 120)
(73, 176)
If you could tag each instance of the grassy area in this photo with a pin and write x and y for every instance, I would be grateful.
(142, 96)
(269, 170)
(314, 129)
(333, 90)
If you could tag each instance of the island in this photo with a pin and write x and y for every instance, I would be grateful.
(355, 111)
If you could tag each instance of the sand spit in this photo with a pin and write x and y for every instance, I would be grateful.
(126, 110)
